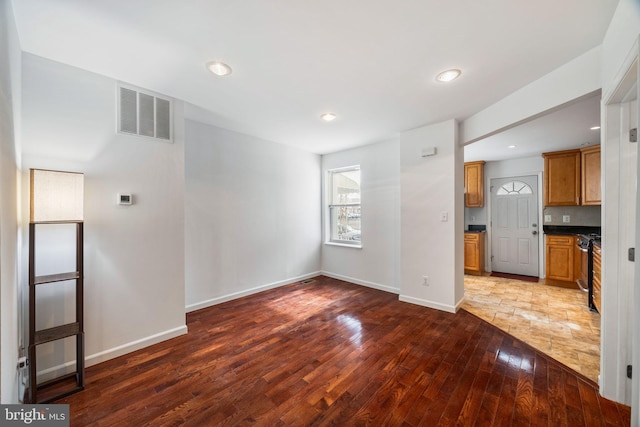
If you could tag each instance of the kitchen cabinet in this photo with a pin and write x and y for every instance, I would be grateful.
(597, 277)
(562, 178)
(590, 166)
(474, 253)
(474, 184)
(560, 256)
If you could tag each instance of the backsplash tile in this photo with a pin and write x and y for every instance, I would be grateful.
(578, 215)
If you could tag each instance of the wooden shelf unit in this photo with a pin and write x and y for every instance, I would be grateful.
(73, 329)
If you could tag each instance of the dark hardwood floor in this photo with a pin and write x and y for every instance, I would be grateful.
(333, 353)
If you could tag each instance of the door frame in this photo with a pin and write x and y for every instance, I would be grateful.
(541, 255)
(617, 324)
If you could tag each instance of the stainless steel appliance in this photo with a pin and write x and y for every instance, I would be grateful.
(584, 242)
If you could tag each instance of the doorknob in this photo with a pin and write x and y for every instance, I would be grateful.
(534, 232)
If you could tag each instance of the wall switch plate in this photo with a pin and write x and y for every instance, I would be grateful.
(444, 216)
(547, 218)
(566, 218)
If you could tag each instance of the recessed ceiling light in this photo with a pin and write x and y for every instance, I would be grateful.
(448, 75)
(511, 146)
(219, 68)
(327, 117)
(595, 128)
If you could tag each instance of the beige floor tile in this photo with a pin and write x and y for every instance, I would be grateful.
(554, 320)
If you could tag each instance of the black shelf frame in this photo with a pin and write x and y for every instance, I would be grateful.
(73, 329)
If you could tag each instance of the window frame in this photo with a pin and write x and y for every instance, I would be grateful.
(331, 234)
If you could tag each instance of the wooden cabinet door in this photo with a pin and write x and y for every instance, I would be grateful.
(474, 184)
(560, 258)
(591, 192)
(471, 255)
(562, 178)
(474, 253)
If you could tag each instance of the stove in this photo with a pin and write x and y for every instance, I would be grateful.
(584, 242)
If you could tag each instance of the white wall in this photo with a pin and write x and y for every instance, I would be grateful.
(573, 80)
(619, 50)
(9, 242)
(376, 264)
(618, 43)
(431, 187)
(252, 214)
(134, 256)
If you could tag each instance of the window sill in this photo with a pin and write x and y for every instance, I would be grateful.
(344, 245)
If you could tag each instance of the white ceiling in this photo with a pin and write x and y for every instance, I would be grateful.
(372, 62)
(564, 128)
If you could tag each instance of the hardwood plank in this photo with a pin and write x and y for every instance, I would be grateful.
(331, 353)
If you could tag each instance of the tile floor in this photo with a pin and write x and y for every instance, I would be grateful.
(554, 320)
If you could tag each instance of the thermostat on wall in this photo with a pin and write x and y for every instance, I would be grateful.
(125, 199)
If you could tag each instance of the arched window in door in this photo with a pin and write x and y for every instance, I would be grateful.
(514, 188)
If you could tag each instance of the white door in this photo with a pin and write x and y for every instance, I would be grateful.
(514, 225)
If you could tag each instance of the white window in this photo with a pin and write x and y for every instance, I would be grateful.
(514, 188)
(343, 199)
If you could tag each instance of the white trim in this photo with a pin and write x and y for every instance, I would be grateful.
(344, 245)
(112, 353)
(431, 304)
(229, 297)
(364, 283)
(619, 315)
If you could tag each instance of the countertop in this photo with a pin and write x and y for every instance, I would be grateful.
(570, 229)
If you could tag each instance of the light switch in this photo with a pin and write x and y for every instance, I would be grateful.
(444, 216)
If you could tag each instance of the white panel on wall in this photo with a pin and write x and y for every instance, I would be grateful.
(430, 186)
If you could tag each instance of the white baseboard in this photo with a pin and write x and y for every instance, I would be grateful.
(236, 295)
(93, 359)
(431, 304)
(362, 282)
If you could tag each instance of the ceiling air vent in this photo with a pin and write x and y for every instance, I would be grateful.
(142, 113)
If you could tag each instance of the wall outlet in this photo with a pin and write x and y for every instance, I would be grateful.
(547, 218)
(566, 218)
(425, 280)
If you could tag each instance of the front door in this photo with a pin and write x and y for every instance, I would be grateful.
(514, 225)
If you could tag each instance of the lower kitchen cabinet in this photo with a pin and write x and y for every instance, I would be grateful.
(560, 254)
(474, 253)
(597, 275)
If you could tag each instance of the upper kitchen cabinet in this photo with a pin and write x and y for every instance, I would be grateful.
(474, 184)
(572, 177)
(591, 193)
(562, 178)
